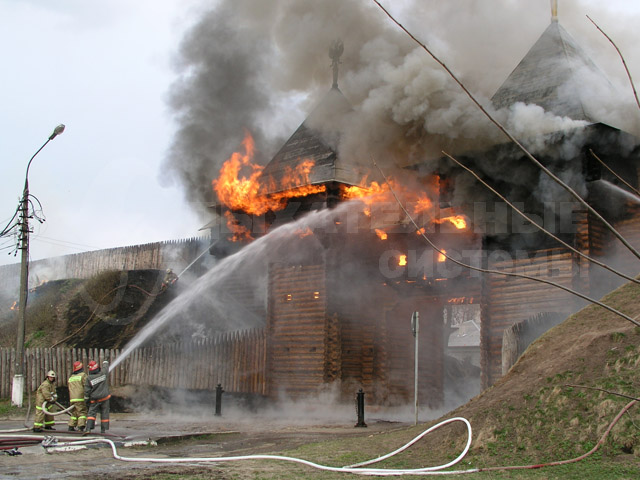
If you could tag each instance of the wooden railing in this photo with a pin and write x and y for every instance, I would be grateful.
(236, 360)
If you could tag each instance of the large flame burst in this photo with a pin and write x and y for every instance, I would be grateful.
(240, 187)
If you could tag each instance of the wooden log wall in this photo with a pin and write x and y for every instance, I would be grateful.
(359, 347)
(508, 300)
(38, 361)
(177, 254)
(298, 329)
(333, 352)
(595, 240)
(236, 360)
(519, 336)
(582, 242)
(629, 228)
(400, 351)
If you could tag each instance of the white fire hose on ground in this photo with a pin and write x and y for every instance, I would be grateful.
(355, 469)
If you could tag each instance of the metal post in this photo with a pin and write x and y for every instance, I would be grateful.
(219, 392)
(360, 408)
(415, 328)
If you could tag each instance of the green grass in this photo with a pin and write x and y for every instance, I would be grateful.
(588, 469)
(8, 411)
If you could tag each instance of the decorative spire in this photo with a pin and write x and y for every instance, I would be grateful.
(334, 54)
(554, 10)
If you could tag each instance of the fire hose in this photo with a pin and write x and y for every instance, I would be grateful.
(346, 469)
(47, 412)
(356, 468)
(44, 409)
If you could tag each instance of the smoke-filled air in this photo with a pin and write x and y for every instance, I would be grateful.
(250, 72)
(262, 67)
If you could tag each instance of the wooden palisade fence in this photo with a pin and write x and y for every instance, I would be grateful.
(235, 359)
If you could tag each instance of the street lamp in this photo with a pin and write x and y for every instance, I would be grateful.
(17, 393)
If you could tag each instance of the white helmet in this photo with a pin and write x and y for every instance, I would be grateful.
(51, 373)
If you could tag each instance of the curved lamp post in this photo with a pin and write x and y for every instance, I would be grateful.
(17, 392)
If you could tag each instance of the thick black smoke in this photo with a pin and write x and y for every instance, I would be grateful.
(262, 66)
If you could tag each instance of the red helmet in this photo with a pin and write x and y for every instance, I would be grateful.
(93, 366)
(77, 366)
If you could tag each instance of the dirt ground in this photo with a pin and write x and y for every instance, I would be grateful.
(174, 437)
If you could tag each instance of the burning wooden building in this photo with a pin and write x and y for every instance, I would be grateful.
(337, 308)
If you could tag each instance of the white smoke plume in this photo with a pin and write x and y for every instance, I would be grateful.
(262, 66)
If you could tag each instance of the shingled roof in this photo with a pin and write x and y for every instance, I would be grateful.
(315, 139)
(544, 76)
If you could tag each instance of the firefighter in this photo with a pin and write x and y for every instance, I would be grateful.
(46, 393)
(169, 279)
(96, 395)
(76, 384)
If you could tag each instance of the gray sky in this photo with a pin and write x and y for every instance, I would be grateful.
(105, 70)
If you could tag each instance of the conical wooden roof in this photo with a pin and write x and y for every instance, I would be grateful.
(315, 139)
(546, 76)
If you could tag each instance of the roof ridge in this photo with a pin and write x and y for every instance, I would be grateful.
(541, 75)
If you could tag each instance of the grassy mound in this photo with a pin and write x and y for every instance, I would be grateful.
(104, 311)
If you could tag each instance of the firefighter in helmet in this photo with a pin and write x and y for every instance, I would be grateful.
(96, 395)
(46, 393)
(76, 382)
(169, 279)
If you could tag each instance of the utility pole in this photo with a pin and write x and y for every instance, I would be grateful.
(17, 392)
(415, 329)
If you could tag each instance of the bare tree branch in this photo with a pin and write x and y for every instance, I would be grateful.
(513, 139)
(603, 390)
(614, 173)
(540, 227)
(498, 272)
(635, 94)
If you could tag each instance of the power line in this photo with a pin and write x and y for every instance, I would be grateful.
(59, 242)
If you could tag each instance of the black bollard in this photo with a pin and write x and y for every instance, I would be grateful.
(219, 392)
(360, 408)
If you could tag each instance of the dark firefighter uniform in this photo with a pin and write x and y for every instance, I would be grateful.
(76, 384)
(46, 393)
(96, 394)
(169, 279)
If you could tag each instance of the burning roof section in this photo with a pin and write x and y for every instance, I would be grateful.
(547, 76)
(315, 140)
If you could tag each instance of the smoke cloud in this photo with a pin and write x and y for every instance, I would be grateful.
(262, 67)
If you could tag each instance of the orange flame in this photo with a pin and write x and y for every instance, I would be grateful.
(382, 235)
(304, 233)
(459, 300)
(424, 203)
(237, 185)
(241, 187)
(441, 257)
(366, 193)
(458, 221)
(14, 306)
(240, 232)
(402, 261)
